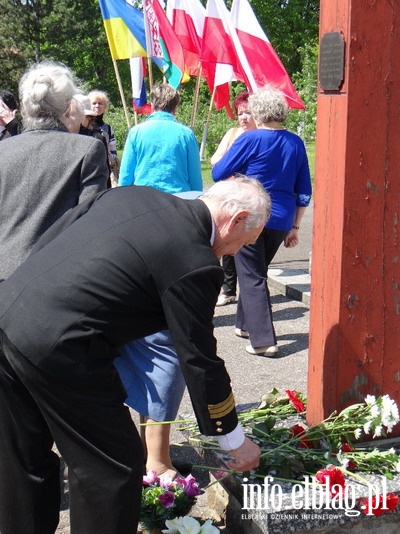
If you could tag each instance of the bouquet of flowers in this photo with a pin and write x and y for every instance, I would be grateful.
(298, 449)
(330, 451)
(165, 499)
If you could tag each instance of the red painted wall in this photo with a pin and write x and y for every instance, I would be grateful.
(355, 289)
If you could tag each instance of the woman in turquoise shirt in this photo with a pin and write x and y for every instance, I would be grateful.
(161, 152)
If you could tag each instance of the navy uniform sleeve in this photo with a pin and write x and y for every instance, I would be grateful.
(189, 308)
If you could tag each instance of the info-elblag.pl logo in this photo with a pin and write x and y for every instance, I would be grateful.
(311, 495)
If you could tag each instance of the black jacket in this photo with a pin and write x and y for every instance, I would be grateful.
(130, 263)
(14, 127)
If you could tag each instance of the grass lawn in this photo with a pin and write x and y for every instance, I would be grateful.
(206, 167)
(206, 173)
(310, 147)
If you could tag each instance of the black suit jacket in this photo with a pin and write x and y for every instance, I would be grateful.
(131, 262)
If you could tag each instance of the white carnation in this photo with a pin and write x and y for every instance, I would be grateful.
(375, 411)
(370, 400)
(367, 427)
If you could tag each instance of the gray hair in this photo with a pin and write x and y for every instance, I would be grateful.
(45, 91)
(268, 104)
(164, 97)
(242, 193)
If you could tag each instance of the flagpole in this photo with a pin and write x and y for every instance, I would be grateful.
(149, 68)
(196, 97)
(205, 129)
(121, 92)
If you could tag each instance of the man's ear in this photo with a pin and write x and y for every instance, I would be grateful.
(240, 217)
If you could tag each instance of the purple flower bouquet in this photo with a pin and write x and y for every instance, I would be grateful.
(164, 498)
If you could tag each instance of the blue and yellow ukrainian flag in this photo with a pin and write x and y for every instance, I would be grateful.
(124, 26)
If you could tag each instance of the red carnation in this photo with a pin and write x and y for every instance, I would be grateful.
(375, 507)
(295, 400)
(333, 477)
(299, 431)
(346, 447)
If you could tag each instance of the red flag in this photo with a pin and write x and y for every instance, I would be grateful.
(221, 43)
(187, 20)
(221, 48)
(264, 62)
(218, 77)
(165, 42)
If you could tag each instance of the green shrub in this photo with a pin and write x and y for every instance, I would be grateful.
(212, 125)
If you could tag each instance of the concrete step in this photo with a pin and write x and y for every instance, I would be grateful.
(293, 283)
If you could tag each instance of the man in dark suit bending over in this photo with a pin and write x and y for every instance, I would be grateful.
(131, 262)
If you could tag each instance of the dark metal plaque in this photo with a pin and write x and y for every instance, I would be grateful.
(331, 61)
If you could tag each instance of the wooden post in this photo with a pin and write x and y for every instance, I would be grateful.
(355, 289)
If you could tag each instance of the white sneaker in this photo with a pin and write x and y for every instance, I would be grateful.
(262, 351)
(241, 333)
(225, 299)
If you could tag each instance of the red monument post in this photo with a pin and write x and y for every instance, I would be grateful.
(355, 288)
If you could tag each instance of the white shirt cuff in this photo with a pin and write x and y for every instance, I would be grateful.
(233, 440)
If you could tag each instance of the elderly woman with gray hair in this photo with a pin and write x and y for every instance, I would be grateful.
(45, 171)
(278, 159)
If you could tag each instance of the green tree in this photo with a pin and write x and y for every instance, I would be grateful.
(20, 37)
(72, 32)
(75, 35)
(303, 121)
(289, 25)
(68, 31)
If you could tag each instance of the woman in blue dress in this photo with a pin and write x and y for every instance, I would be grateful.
(153, 380)
(164, 154)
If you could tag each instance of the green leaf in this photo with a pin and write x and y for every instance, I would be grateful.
(264, 428)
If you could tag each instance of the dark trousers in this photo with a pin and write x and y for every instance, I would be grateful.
(230, 276)
(81, 409)
(254, 313)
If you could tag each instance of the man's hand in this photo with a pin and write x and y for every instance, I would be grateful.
(6, 115)
(246, 457)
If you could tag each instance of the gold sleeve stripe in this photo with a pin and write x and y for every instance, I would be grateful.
(222, 408)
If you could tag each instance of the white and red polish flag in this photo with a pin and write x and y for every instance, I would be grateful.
(222, 54)
(187, 19)
(221, 43)
(266, 66)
